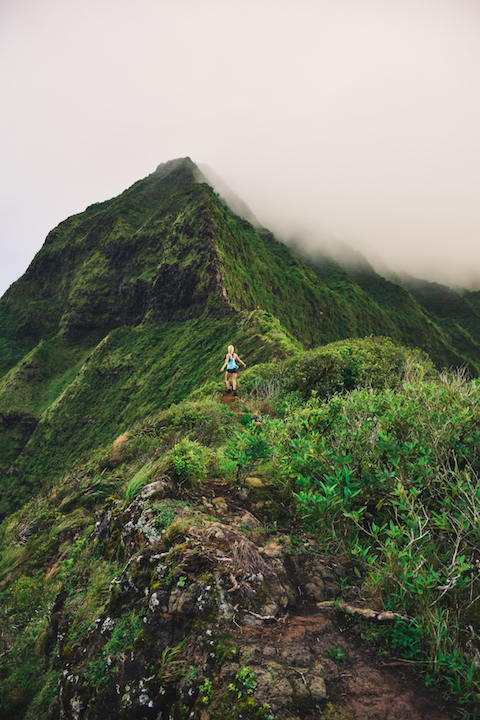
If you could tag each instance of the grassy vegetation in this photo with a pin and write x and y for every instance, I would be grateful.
(127, 305)
(473, 299)
(134, 372)
(388, 476)
(11, 349)
(390, 479)
(380, 464)
(337, 367)
(110, 391)
(435, 329)
(168, 245)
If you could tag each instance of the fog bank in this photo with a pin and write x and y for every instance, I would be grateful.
(348, 120)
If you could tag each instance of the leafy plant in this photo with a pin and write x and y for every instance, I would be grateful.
(189, 461)
(206, 689)
(245, 682)
(97, 671)
(337, 654)
(247, 679)
(391, 478)
(247, 449)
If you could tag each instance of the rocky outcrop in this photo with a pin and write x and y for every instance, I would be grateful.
(178, 632)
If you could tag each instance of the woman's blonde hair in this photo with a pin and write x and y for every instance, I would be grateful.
(231, 349)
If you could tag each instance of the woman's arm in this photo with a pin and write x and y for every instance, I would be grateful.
(240, 361)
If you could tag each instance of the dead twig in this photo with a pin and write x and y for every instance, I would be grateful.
(367, 613)
(238, 626)
(268, 617)
(233, 579)
(300, 673)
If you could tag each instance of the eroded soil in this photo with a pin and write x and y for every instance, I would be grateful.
(361, 686)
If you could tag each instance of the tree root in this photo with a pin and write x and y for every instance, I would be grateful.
(366, 613)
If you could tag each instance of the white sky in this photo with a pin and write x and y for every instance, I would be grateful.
(357, 120)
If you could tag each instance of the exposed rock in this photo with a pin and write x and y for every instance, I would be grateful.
(220, 505)
(273, 675)
(240, 605)
(315, 590)
(255, 482)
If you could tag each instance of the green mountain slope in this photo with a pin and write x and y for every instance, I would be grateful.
(473, 298)
(139, 556)
(419, 322)
(457, 316)
(132, 373)
(130, 305)
(181, 568)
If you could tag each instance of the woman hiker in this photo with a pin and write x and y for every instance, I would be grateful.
(232, 367)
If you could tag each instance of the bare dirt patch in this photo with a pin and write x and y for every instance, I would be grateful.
(360, 686)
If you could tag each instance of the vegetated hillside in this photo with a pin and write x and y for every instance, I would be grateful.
(473, 297)
(446, 325)
(130, 374)
(154, 530)
(131, 303)
(230, 557)
(457, 315)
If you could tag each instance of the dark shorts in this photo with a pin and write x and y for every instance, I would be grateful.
(233, 371)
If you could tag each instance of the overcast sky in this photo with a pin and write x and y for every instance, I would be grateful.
(355, 120)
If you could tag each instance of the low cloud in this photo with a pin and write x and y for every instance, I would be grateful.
(335, 120)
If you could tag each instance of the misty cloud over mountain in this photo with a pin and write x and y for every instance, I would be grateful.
(339, 120)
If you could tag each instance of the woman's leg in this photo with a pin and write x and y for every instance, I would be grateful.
(227, 375)
(234, 381)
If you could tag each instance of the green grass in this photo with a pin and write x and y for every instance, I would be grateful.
(130, 306)
(383, 469)
(11, 350)
(133, 373)
(389, 478)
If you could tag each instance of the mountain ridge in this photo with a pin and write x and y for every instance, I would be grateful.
(168, 256)
(117, 243)
(170, 550)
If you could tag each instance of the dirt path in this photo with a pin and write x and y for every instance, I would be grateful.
(360, 683)
(362, 686)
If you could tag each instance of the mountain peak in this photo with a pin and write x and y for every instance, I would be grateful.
(166, 168)
(205, 174)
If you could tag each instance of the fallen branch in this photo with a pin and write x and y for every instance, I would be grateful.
(367, 613)
(300, 673)
(268, 617)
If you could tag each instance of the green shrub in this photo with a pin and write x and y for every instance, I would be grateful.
(25, 596)
(247, 448)
(22, 676)
(374, 362)
(338, 367)
(391, 478)
(125, 630)
(188, 461)
(206, 421)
